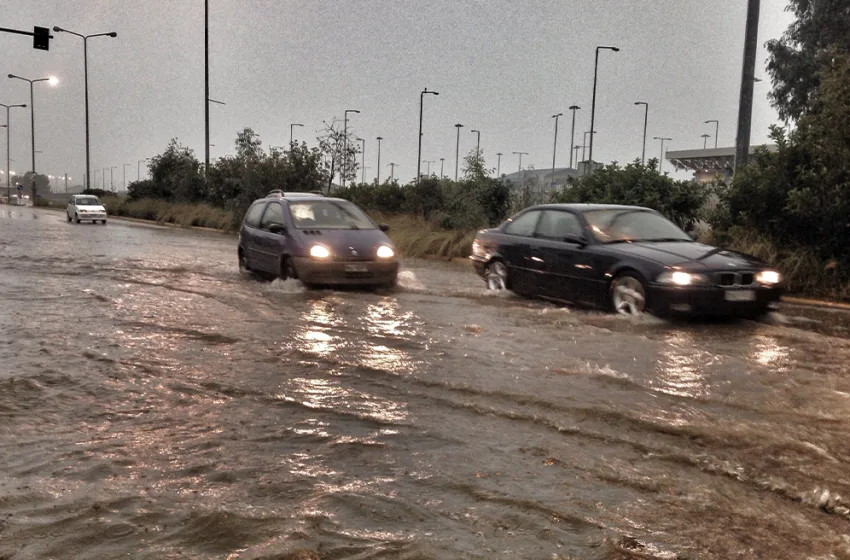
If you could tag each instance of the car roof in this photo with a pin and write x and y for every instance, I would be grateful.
(277, 194)
(582, 207)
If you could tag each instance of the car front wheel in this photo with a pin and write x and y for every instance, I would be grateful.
(628, 294)
(67, 215)
(76, 217)
(496, 276)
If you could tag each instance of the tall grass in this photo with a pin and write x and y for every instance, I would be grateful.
(179, 214)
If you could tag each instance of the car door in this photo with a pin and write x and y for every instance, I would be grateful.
(269, 244)
(248, 233)
(560, 241)
(516, 248)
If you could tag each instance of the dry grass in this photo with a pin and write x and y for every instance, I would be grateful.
(415, 237)
(161, 212)
(803, 271)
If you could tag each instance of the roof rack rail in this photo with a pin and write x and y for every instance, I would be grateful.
(277, 193)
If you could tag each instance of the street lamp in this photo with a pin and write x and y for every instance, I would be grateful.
(52, 81)
(716, 129)
(363, 162)
(576, 149)
(112, 177)
(378, 176)
(85, 39)
(429, 162)
(291, 126)
(705, 138)
(478, 143)
(8, 172)
(519, 170)
(345, 143)
(573, 108)
(457, 149)
(585, 145)
(442, 161)
(498, 164)
(593, 105)
(555, 146)
(419, 153)
(661, 157)
(392, 172)
(645, 120)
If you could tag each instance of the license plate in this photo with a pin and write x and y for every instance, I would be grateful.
(357, 268)
(740, 295)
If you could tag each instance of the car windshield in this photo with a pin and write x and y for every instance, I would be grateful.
(329, 214)
(87, 201)
(625, 225)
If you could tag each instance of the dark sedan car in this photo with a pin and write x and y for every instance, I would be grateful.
(626, 258)
(318, 240)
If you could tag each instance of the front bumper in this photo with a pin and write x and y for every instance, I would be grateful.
(92, 216)
(312, 271)
(712, 300)
(479, 264)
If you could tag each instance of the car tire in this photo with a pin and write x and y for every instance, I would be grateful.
(76, 217)
(243, 264)
(496, 276)
(103, 222)
(628, 294)
(67, 215)
(287, 269)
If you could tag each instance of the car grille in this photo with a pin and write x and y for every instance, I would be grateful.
(734, 279)
(347, 258)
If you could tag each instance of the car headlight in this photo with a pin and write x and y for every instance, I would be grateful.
(681, 278)
(319, 252)
(477, 250)
(768, 277)
(385, 252)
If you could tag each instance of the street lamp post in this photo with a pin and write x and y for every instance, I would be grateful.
(499, 164)
(378, 176)
(576, 149)
(573, 108)
(96, 171)
(419, 153)
(442, 161)
(8, 148)
(85, 39)
(345, 143)
(585, 145)
(716, 129)
(291, 135)
(645, 120)
(124, 165)
(593, 104)
(478, 143)
(519, 169)
(32, 108)
(112, 177)
(555, 146)
(457, 149)
(661, 157)
(363, 162)
(428, 168)
(705, 138)
(392, 172)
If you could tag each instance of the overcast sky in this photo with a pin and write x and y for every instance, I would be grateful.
(501, 66)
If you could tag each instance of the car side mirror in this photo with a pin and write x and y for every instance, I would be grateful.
(277, 228)
(384, 227)
(579, 240)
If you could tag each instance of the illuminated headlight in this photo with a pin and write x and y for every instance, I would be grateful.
(477, 250)
(385, 252)
(679, 278)
(319, 252)
(768, 277)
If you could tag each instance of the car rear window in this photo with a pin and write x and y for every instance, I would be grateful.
(252, 218)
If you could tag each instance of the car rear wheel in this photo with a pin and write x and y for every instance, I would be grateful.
(243, 264)
(628, 294)
(496, 276)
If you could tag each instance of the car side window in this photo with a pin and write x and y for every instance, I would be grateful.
(523, 224)
(557, 225)
(252, 218)
(272, 215)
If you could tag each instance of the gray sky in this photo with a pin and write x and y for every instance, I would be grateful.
(501, 66)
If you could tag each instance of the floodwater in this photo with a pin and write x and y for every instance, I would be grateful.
(156, 404)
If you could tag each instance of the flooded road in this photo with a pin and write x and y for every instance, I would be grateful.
(156, 404)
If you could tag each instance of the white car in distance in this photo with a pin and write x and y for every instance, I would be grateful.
(85, 207)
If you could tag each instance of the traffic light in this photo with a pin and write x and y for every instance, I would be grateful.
(41, 38)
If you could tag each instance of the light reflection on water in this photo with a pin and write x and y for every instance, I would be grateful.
(328, 394)
(767, 351)
(681, 367)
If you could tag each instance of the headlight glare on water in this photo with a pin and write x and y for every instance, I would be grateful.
(768, 277)
(385, 252)
(680, 278)
(319, 252)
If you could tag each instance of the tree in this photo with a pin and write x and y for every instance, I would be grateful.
(339, 154)
(639, 185)
(175, 175)
(248, 145)
(796, 60)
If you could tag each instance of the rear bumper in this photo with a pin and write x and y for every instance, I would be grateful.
(712, 300)
(311, 271)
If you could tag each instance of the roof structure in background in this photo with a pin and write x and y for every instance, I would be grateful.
(710, 159)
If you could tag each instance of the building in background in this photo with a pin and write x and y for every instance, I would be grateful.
(710, 164)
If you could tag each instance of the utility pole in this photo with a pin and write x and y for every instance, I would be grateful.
(498, 164)
(457, 149)
(573, 108)
(206, 88)
(378, 176)
(555, 146)
(745, 105)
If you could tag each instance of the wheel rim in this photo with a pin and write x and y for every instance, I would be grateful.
(628, 295)
(497, 276)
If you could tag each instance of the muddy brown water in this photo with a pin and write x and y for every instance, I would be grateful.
(156, 404)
